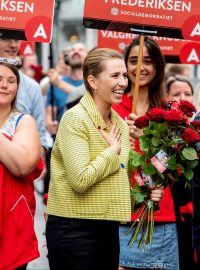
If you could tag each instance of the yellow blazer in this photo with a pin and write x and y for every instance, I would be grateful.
(88, 179)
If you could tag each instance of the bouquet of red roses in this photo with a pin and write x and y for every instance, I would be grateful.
(168, 148)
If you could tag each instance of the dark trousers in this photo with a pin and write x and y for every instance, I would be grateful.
(198, 262)
(186, 252)
(75, 244)
(47, 176)
(23, 267)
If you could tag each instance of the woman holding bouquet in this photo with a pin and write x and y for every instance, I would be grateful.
(163, 252)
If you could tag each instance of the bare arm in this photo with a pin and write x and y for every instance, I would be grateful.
(22, 154)
(51, 125)
(55, 80)
(44, 85)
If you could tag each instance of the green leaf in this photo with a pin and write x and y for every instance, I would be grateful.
(172, 162)
(188, 173)
(155, 140)
(161, 175)
(162, 127)
(142, 159)
(180, 167)
(134, 158)
(144, 143)
(148, 168)
(138, 196)
(189, 153)
(175, 176)
(193, 163)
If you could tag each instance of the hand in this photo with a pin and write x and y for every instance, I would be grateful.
(132, 142)
(53, 76)
(134, 131)
(52, 127)
(157, 194)
(112, 138)
(43, 173)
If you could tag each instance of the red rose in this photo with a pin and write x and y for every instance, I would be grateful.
(178, 171)
(190, 136)
(177, 147)
(196, 125)
(157, 115)
(141, 122)
(173, 118)
(187, 108)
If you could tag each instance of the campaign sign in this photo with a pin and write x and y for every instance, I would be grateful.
(163, 18)
(190, 53)
(26, 48)
(147, 179)
(171, 48)
(137, 177)
(29, 20)
(160, 161)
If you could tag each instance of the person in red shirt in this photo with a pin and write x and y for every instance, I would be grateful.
(20, 164)
(163, 253)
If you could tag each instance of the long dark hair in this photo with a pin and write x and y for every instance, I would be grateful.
(156, 88)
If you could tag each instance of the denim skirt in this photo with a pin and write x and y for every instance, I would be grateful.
(161, 254)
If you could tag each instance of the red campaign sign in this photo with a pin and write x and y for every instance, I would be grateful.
(26, 48)
(164, 18)
(171, 48)
(29, 20)
(190, 53)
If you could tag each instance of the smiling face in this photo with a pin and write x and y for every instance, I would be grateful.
(180, 91)
(109, 85)
(147, 68)
(8, 86)
(9, 48)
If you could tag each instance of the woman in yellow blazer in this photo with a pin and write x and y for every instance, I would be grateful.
(89, 189)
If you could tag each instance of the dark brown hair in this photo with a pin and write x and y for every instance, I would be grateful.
(156, 88)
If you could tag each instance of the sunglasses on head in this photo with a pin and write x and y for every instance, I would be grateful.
(10, 61)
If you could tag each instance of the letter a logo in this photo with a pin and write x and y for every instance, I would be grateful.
(193, 56)
(190, 53)
(191, 28)
(38, 29)
(28, 50)
(196, 30)
(40, 32)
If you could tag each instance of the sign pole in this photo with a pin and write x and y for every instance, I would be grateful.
(51, 85)
(138, 71)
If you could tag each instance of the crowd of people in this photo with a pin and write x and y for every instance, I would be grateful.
(75, 127)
